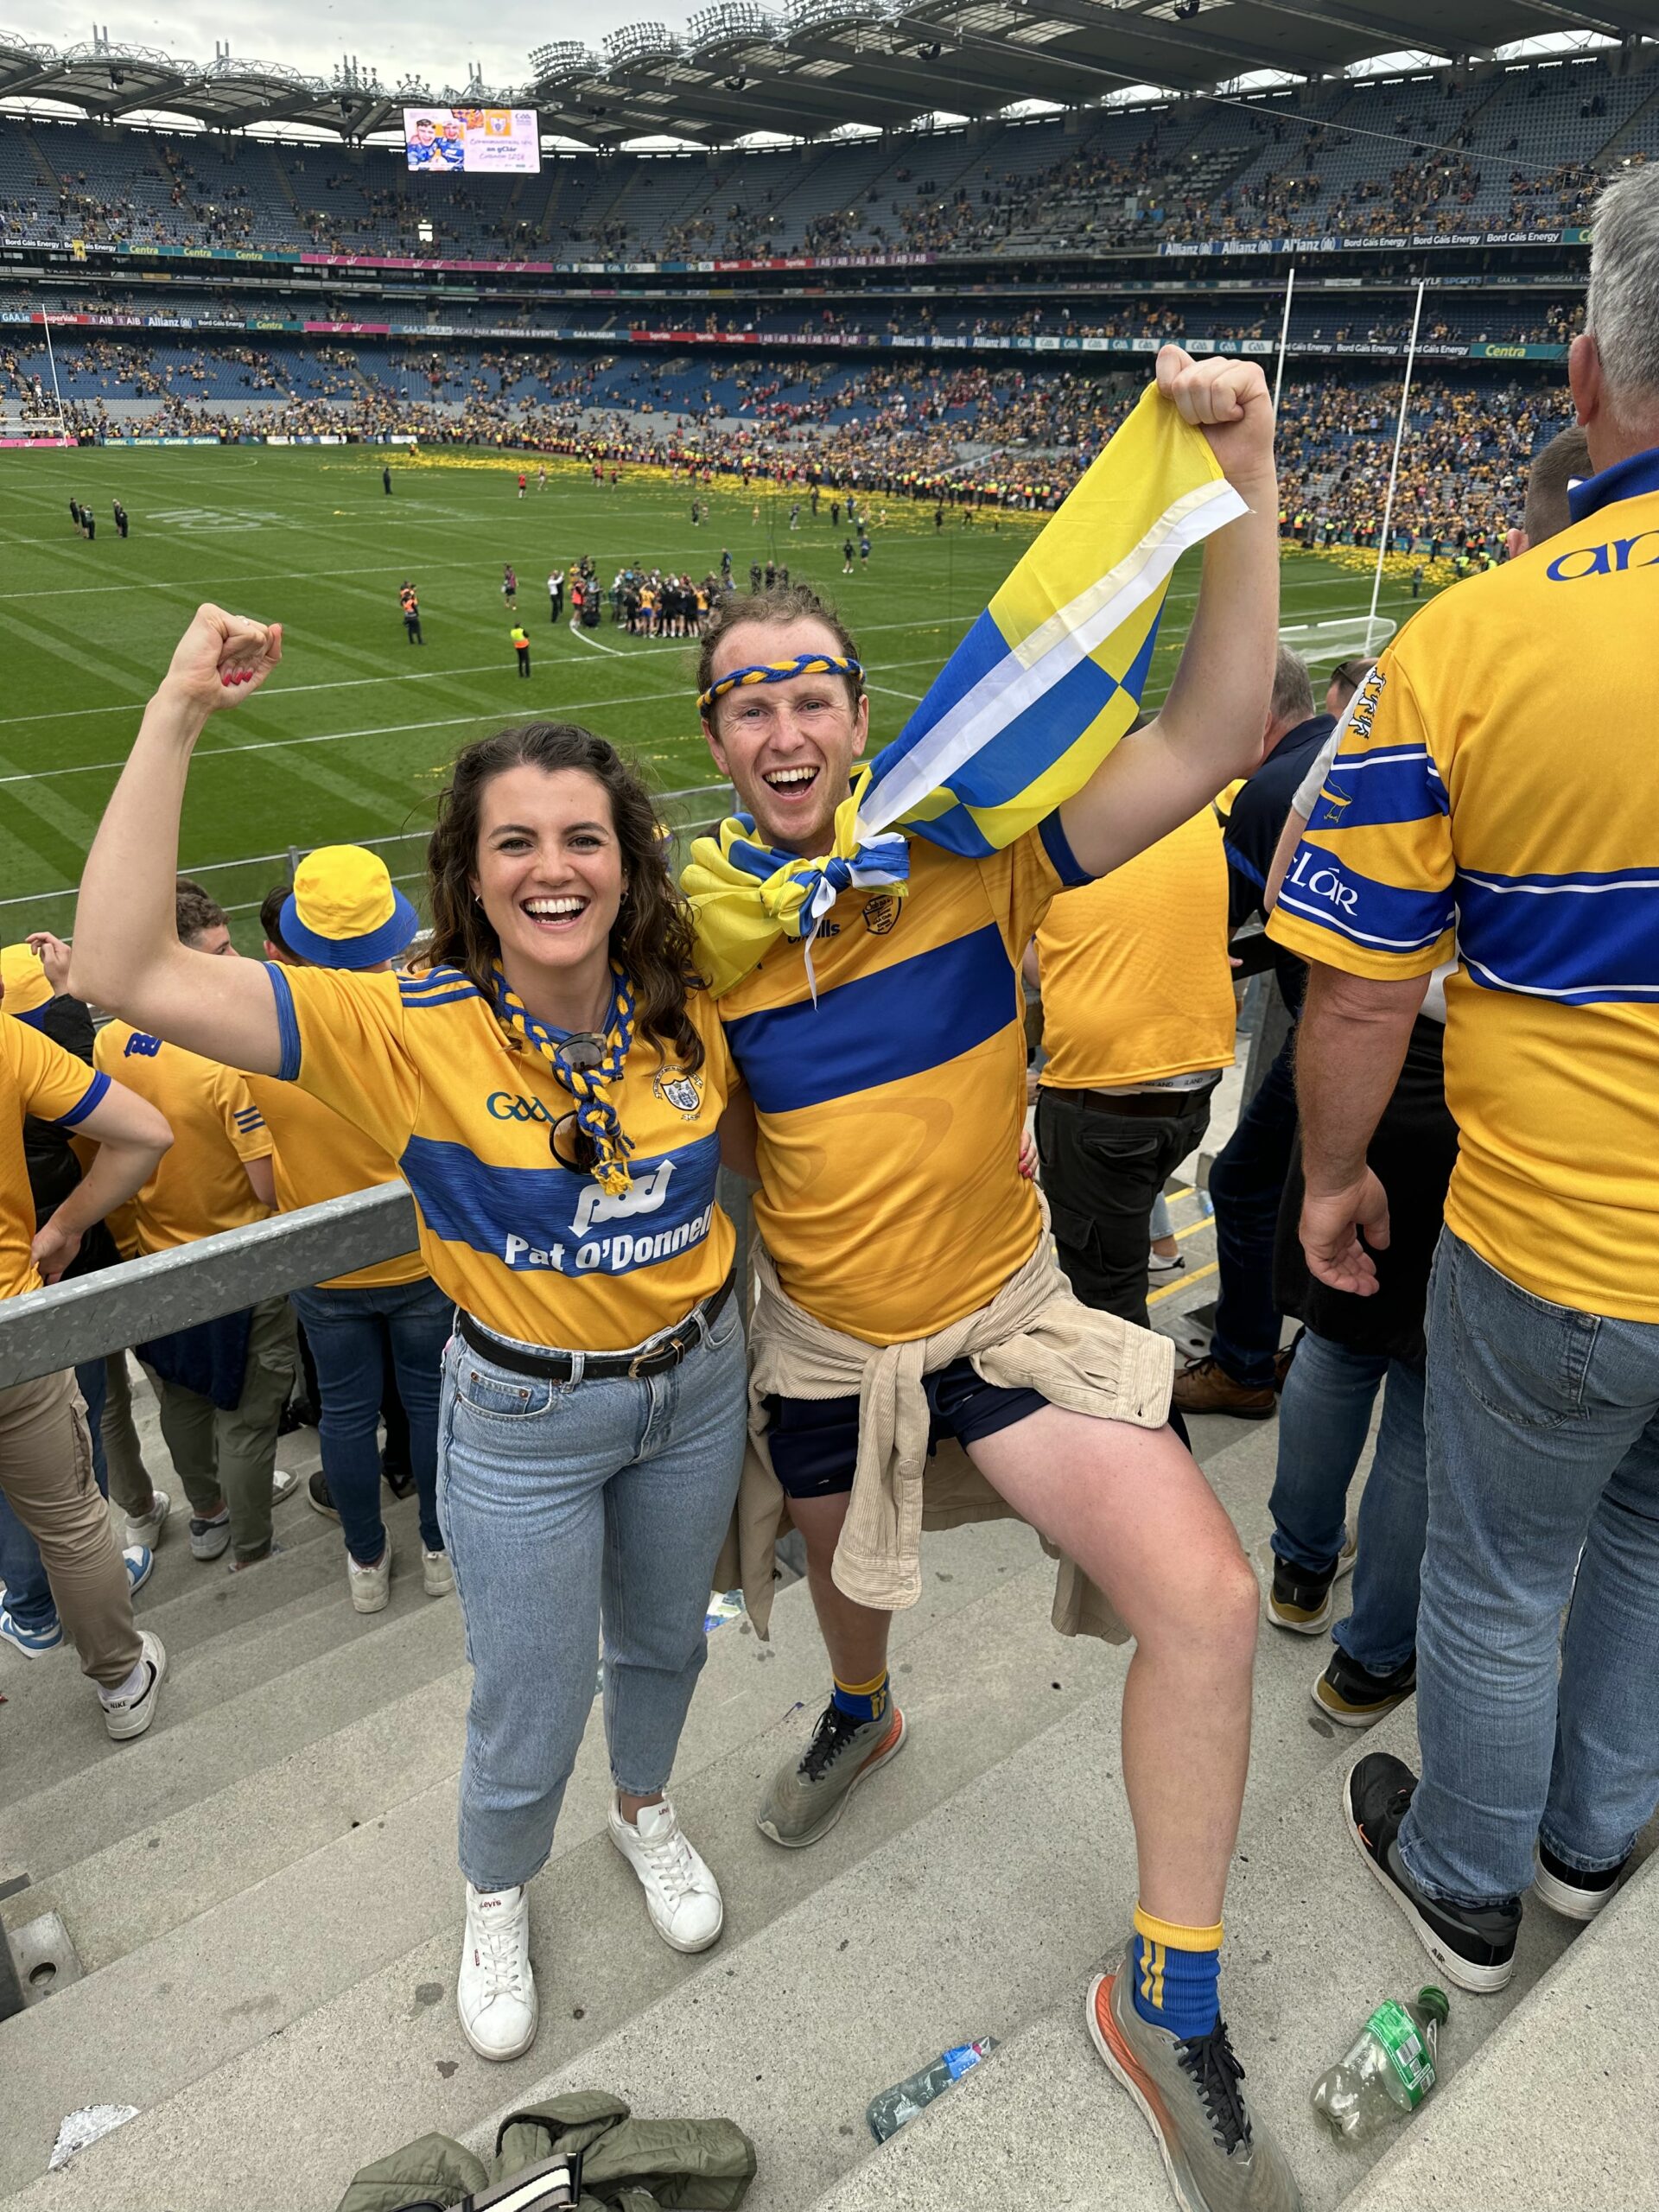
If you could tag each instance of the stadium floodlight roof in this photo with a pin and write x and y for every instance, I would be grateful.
(808, 68)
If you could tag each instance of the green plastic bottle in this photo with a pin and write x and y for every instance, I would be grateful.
(1389, 2071)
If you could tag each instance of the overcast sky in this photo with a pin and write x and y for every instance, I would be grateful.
(433, 39)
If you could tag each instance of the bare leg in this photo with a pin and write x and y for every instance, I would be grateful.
(854, 1635)
(1131, 1507)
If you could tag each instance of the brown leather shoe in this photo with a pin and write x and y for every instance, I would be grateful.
(1203, 1385)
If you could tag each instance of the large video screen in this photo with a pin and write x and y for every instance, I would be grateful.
(474, 140)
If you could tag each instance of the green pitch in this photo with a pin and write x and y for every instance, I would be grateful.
(351, 740)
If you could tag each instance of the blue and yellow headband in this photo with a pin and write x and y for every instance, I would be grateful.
(779, 671)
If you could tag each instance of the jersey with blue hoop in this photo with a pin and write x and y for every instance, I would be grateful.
(1494, 797)
(890, 1108)
(533, 1250)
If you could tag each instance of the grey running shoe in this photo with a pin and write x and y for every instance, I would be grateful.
(1216, 2159)
(808, 1796)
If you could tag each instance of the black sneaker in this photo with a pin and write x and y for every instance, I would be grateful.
(1302, 1601)
(1353, 1697)
(400, 1481)
(1569, 1891)
(298, 1413)
(1473, 1947)
(316, 1491)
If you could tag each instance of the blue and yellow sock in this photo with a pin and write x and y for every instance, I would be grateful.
(1176, 1974)
(862, 1701)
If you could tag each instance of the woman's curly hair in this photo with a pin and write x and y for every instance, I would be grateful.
(652, 936)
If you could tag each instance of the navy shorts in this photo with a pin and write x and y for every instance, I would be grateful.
(814, 1441)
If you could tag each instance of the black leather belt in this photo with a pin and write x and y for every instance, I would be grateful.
(1141, 1105)
(657, 1356)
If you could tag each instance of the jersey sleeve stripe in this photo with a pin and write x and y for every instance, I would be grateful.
(1056, 844)
(1333, 896)
(91, 1099)
(1376, 789)
(288, 1023)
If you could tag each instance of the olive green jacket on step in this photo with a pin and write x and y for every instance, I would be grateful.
(627, 2165)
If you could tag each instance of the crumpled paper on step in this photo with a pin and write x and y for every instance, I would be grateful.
(85, 2127)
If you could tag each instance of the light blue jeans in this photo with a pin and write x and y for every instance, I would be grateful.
(568, 1508)
(1325, 1414)
(1543, 1444)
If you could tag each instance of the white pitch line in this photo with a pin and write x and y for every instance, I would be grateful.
(426, 676)
(600, 646)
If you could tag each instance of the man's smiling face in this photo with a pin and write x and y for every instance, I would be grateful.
(789, 747)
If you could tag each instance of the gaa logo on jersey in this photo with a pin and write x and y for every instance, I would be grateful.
(880, 913)
(677, 1089)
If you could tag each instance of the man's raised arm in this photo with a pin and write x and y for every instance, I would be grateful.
(1210, 728)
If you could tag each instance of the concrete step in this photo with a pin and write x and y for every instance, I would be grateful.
(1556, 2110)
(210, 1621)
(240, 1705)
(244, 1963)
(1310, 1947)
(979, 1916)
(342, 1963)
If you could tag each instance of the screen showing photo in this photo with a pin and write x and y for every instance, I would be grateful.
(472, 139)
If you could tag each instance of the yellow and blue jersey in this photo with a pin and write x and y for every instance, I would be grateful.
(200, 1187)
(1494, 797)
(890, 1111)
(535, 1250)
(37, 1077)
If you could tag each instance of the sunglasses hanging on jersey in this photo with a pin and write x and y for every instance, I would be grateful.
(568, 1142)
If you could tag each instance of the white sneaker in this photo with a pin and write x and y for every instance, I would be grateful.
(148, 1531)
(284, 1483)
(495, 1994)
(438, 1576)
(682, 1896)
(126, 1717)
(371, 1587)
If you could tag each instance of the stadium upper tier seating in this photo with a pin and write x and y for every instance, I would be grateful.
(1513, 146)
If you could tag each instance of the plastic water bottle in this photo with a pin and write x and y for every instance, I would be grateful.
(1389, 2070)
(889, 2112)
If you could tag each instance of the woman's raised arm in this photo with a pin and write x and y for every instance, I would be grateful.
(126, 954)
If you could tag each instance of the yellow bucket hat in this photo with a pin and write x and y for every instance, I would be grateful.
(343, 911)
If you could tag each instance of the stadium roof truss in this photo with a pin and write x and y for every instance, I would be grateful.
(809, 67)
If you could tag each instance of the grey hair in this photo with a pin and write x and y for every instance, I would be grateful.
(1622, 311)
(1293, 688)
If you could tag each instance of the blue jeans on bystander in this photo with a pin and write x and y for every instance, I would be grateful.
(1325, 1414)
(343, 1330)
(1543, 1488)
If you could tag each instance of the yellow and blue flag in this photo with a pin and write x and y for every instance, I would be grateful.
(1039, 692)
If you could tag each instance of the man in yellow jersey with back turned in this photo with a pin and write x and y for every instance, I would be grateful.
(1497, 795)
(886, 1063)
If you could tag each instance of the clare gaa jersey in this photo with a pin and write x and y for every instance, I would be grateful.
(1136, 987)
(890, 1111)
(1495, 796)
(201, 1185)
(421, 1065)
(37, 1077)
(318, 1156)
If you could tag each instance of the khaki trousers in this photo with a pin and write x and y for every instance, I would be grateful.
(130, 1487)
(231, 1456)
(46, 1471)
